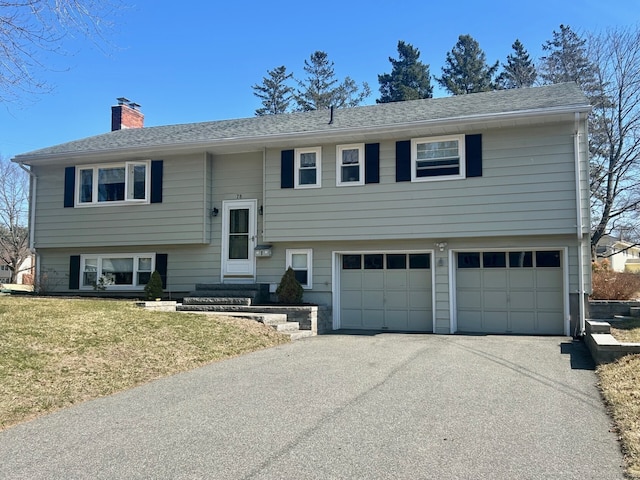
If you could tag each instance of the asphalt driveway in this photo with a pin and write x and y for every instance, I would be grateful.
(388, 406)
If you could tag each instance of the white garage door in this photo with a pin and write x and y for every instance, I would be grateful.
(386, 291)
(510, 292)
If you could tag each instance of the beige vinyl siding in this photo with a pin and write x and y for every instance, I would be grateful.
(181, 218)
(527, 187)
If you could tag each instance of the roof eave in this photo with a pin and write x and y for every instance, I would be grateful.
(269, 140)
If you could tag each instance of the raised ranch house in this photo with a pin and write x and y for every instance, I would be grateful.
(461, 214)
(622, 256)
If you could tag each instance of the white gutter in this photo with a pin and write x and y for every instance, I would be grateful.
(581, 291)
(32, 216)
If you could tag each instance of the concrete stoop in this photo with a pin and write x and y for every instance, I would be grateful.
(603, 346)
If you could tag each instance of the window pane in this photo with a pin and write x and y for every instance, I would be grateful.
(494, 259)
(349, 157)
(110, 184)
(437, 158)
(137, 179)
(143, 278)
(548, 259)
(86, 186)
(352, 262)
(239, 221)
(238, 247)
(396, 261)
(301, 276)
(351, 174)
(118, 271)
(419, 260)
(299, 260)
(144, 264)
(468, 260)
(373, 261)
(307, 177)
(520, 259)
(308, 160)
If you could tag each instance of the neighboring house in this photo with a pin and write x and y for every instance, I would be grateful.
(25, 273)
(460, 214)
(622, 256)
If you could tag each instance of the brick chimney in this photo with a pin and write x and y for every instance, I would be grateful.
(126, 115)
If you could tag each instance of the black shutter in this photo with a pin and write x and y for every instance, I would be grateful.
(69, 186)
(286, 169)
(372, 163)
(74, 272)
(403, 161)
(473, 153)
(161, 267)
(156, 181)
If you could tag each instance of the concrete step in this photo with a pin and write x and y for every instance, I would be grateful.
(217, 301)
(634, 311)
(222, 293)
(300, 334)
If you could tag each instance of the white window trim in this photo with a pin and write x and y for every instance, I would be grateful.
(309, 253)
(94, 195)
(360, 164)
(298, 153)
(101, 256)
(414, 158)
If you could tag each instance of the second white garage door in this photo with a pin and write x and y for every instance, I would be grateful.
(510, 292)
(386, 291)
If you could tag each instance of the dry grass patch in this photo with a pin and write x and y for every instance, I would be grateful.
(626, 330)
(56, 352)
(620, 385)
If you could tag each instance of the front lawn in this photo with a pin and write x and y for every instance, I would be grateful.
(55, 352)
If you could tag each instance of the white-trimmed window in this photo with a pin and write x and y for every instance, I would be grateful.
(300, 260)
(350, 164)
(116, 271)
(113, 183)
(437, 158)
(308, 167)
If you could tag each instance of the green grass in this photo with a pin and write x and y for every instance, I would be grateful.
(57, 352)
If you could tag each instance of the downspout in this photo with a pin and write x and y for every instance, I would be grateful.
(32, 217)
(581, 292)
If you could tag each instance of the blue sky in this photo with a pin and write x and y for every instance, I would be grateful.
(198, 62)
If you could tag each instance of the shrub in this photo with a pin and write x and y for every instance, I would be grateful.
(153, 289)
(610, 285)
(289, 290)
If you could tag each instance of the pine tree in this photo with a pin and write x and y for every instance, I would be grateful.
(274, 93)
(466, 69)
(568, 61)
(321, 88)
(409, 78)
(519, 71)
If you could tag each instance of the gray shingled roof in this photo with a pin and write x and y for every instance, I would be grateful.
(546, 98)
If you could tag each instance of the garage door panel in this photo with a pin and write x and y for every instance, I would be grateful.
(351, 318)
(468, 278)
(373, 319)
(373, 279)
(549, 278)
(548, 300)
(351, 279)
(372, 299)
(522, 278)
(469, 321)
(494, 321)
(396, 300)
(420, 321)
(469, 300)
(396, 319)
(351, 299)
(421, 300)
(395, 280)
(547, 323)
(522, 322)
(495, 279)
(494, 300)
(522, 300)
(420, 279)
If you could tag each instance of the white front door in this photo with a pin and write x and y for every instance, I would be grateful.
(239, 241)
